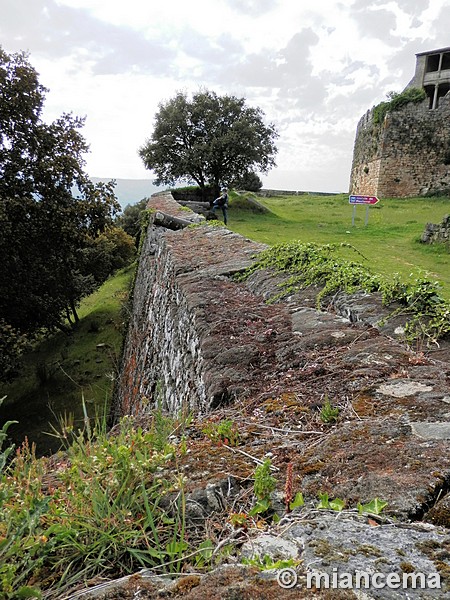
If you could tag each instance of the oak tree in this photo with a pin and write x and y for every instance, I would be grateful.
(210, 140)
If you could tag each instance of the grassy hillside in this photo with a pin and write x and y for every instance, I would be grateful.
(390, 242)
(63, 369)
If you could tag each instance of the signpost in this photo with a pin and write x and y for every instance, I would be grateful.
(367, 200)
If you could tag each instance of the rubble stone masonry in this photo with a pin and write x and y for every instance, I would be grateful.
(407, 155)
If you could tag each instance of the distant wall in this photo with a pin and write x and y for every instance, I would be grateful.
(267, 193)
(193, 195)
(407, 155)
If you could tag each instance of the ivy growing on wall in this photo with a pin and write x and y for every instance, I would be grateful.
(428, 313)
(396, 101)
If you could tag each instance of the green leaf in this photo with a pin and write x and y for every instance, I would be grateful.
(297, 502)
(375, 506)
(149, 551)
(28, 592)
(337, 504)
(206, 549)
(174, 548)
(167, 520)
(324, 502)
(260, 507)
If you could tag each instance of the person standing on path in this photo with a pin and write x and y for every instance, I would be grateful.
(222, 202)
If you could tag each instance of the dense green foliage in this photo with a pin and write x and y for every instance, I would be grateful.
(130, 219)
(60, 367)
(210, 140)
(249, 182)
(49, 244)
(12, 345)
(108, 251)
(396, 101)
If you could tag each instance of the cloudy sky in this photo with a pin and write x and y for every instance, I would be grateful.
(313, 67)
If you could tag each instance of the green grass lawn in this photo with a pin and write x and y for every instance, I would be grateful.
(63, 369)
(390, 241)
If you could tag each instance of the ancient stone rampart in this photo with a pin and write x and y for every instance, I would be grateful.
(268, 193)
(175, 349)
(199, 341)
(408, 154)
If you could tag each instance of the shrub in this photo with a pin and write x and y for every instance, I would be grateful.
(396, 101)
(249, 182)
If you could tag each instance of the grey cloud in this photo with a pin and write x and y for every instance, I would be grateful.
(404, 61)
(122, 49)
(346, 76)
(377, 24)
(253, 7)
(412, 7)
(222, 51)
(55, 31)
(257, 70)
(357, 104)
(311, 94)
(440, 33)
(296, 53)
(372, 91)
(304, 100)
(289, 67)
(288, 72)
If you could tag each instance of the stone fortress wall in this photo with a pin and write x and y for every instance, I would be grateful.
(409, 153)
(201, 342)
(198, 340)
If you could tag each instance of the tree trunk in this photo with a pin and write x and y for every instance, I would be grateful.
(204, 197)
(170, 222)
(62, 327)
(74, 311)
(68, 317)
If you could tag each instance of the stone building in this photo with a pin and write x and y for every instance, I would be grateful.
(408, 152)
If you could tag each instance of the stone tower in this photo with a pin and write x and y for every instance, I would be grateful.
(408, 154)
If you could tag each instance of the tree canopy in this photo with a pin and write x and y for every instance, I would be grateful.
(47, 234)
(130, 219)
(210, 140)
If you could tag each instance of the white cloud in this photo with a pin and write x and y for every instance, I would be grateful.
(314, 70)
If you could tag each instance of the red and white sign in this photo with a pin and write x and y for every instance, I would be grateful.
(363, 200)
